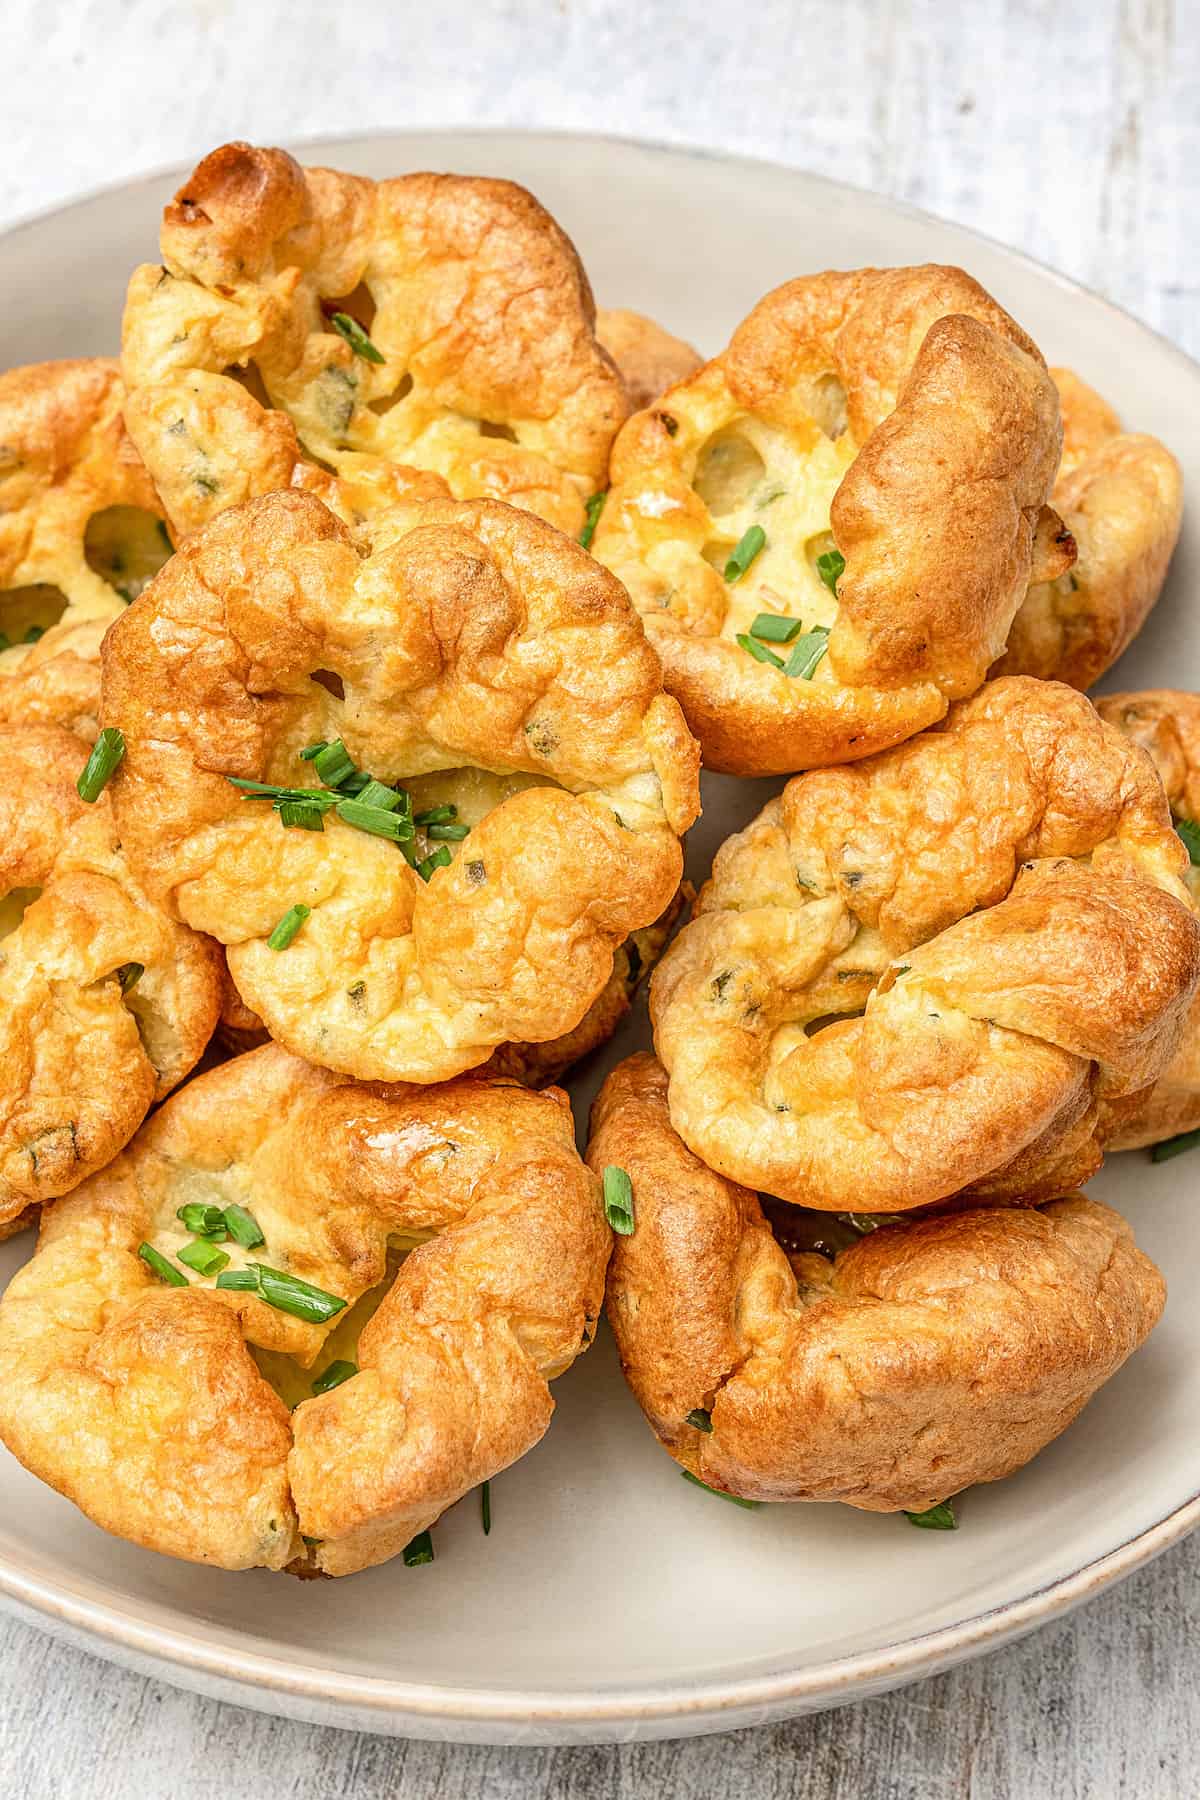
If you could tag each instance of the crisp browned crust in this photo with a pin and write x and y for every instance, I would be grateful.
(1120, 495)
(928, 1357)
(143, 1403)
(1166, 724)
(81, 1060)
(64, 457)
(899, 416)
(649, 358)
(991, 925)
(492, 376)
(449, 636)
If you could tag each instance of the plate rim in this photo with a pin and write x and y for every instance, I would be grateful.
(707, 1704)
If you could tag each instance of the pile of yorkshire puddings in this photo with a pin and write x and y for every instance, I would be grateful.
(365, 629)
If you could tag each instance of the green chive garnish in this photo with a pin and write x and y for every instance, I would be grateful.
(161, 1267)
(437, 815)
(700, 1419)
(437, 859)
(302, 815)
(107, 752)
(485, 1506)
(288, 926)
(286, 1293)
(34, 633)
(1189, 831)
(356, 337)
(807, 653)
(775, 628)
(734, 1499)
(744, 552)
(333, 763)
(282, 796)
(243, 1227)
(129, 974)
(453, 834)
(333, 1376)
(1187, 1140)
(419, 1551)
(592, 510)
(378, 793)
(202, 1221)
(758, 651)
(311, 750)
(618, 1200)
(830, 567)
(377, 820)
(203, 1256)
(936, 1518)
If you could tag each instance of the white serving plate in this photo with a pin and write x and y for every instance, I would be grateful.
(612, 1600)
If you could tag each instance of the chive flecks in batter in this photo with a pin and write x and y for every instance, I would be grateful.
(593, 507)
(352, 332)
(831, 567)
(749, 545)
(101, 765)
(288, 926)
(618, 1200)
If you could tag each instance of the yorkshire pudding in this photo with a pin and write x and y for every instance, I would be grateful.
(80, 535)
(649, 357)
(441, 321)
(105, 1003)
(1120, 495)
(921, 975)
(466, 650)
(128, 1374)
(931, 1355)
(829, 528)
(1166, 724)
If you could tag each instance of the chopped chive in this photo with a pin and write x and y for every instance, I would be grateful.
(333, 1376)
(33, 634)
(356, 337)
(107, 752)
(162, 1268)
(592, 510)
(280, 796)
(301, 815)
(1189, 831)
(1187, 1140)
(243, 1227)
(485, 1507)
(700, 1419)
(808, 652)
(202, 1221)
(286, 1293)
(353, 785)
(203, 1256)
(419, 1551)
(242, 1281)
(378, 793)
(437, 815)
(288, 926)
(734, 1499)
(333, 763)
(379, 821)
(748, 546)
(129, 974)
(311, 750)
(935, 1518)
(775, 628)
(758, 651)
(830, 567)
(618, 1200)
(5, 641)
(768, 497)
(453, 834)
(437, 859)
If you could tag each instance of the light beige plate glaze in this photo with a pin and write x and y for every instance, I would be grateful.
(612, 1600)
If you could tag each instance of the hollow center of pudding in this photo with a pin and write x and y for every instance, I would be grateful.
(13, 907)
(126, 546)
(750, 474)
(27, 612)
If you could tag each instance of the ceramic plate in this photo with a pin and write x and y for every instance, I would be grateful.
(612, 1599)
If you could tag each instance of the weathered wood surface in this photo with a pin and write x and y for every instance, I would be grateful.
(1070, 128)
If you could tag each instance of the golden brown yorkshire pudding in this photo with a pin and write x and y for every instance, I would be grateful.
(144, 1403)
(1166, 724)
(929, 1356)
(649, 358)
(920, 975)
(465, 650)
(105, 1003)
(1120, 495)
(80, 535)
(830, 527)
(441, 321)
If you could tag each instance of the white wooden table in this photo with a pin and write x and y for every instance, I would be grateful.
(1070, 128)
